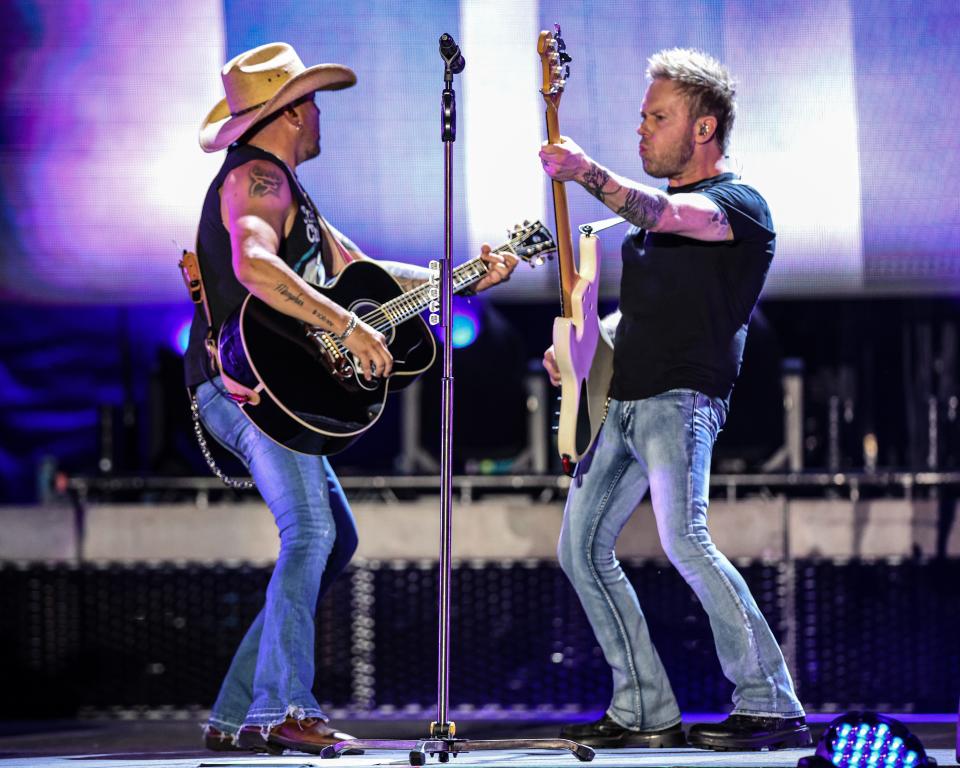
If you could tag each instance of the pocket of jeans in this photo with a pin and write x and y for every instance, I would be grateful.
(205, 394)
(705, 413)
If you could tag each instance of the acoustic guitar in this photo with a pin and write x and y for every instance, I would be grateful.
(306, 390)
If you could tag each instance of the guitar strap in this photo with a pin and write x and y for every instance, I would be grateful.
(193, 279)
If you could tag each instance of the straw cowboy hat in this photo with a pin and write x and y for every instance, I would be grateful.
(260, 82)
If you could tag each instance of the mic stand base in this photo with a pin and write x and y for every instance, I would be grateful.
(443, 748)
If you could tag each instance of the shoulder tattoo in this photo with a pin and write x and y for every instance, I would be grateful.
(265, 181)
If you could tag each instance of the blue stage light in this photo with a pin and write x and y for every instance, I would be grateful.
(867, 740)
(182, 337)
(467, 322)
(465, 329)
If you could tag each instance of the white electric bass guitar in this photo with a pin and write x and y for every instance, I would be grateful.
(582, 346)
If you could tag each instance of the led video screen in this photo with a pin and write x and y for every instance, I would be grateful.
(845, 124)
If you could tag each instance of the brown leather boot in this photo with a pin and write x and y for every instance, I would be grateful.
(311, 734)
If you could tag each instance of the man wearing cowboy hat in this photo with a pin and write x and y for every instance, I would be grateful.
(261, 234)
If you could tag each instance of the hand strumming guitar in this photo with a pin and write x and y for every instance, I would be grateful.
(551, 367)
(369, 347)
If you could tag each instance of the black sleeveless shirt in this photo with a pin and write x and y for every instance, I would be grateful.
(303, 249)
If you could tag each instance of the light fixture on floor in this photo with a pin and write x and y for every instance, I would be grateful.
(867, 740)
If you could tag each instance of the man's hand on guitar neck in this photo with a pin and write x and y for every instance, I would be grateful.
(500, 266)
(565, 161)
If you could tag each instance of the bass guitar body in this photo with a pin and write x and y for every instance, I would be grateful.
(584, 354)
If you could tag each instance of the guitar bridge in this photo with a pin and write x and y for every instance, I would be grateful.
(339, 365)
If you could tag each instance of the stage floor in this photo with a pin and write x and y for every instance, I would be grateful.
(176, 744)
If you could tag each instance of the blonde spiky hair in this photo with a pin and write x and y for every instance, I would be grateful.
(704, 82)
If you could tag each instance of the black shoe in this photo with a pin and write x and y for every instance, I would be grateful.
(606, 732)
(745, 732)
(218, 741)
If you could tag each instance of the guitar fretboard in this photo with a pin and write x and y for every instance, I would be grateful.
(402, 308)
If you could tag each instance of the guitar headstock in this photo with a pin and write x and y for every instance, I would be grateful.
(555, 62)
(531, 242)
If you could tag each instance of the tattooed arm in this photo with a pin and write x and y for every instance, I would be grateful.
(255, 202)
(685, 213)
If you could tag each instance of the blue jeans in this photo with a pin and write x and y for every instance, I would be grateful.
(664, 444)
(271, 675)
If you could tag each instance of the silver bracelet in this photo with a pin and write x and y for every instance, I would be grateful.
(351, 324)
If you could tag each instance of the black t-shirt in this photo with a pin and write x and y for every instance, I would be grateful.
(304, 249)
(686, 303)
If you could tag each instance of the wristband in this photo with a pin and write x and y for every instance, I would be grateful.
(351, 324)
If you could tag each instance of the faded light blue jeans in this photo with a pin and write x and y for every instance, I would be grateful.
(664, 444)
(271, 675)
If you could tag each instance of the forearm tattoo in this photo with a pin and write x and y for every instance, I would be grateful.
(284, 290)
(296, 297)
(264, 181)
(594, 180)
(640, 208)
(322, 318)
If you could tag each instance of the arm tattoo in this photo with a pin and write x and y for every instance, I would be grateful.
(284, 290)
(594, 180)
(322, 318)
(720, 222)
(264, 181)
(639, 208)
(642, 209)
(297, 298)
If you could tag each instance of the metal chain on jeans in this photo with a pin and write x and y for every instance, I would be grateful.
(208, 456)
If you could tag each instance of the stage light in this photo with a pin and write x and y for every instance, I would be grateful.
(464, 330)
(867, 740)
(182, 337)
(467, 322)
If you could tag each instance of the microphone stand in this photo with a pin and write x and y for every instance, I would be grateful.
(441, 741)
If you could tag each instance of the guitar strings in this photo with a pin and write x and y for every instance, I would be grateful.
(411, 303)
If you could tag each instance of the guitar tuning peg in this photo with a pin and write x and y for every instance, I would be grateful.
(526, 222)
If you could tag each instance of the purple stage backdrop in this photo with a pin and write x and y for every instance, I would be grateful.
(845, 124)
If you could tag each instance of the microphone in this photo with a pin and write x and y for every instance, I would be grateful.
(451, 54)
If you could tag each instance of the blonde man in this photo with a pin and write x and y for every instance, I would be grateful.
(694, 263)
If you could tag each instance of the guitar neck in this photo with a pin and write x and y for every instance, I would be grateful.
(565, 261)
(413, 302)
